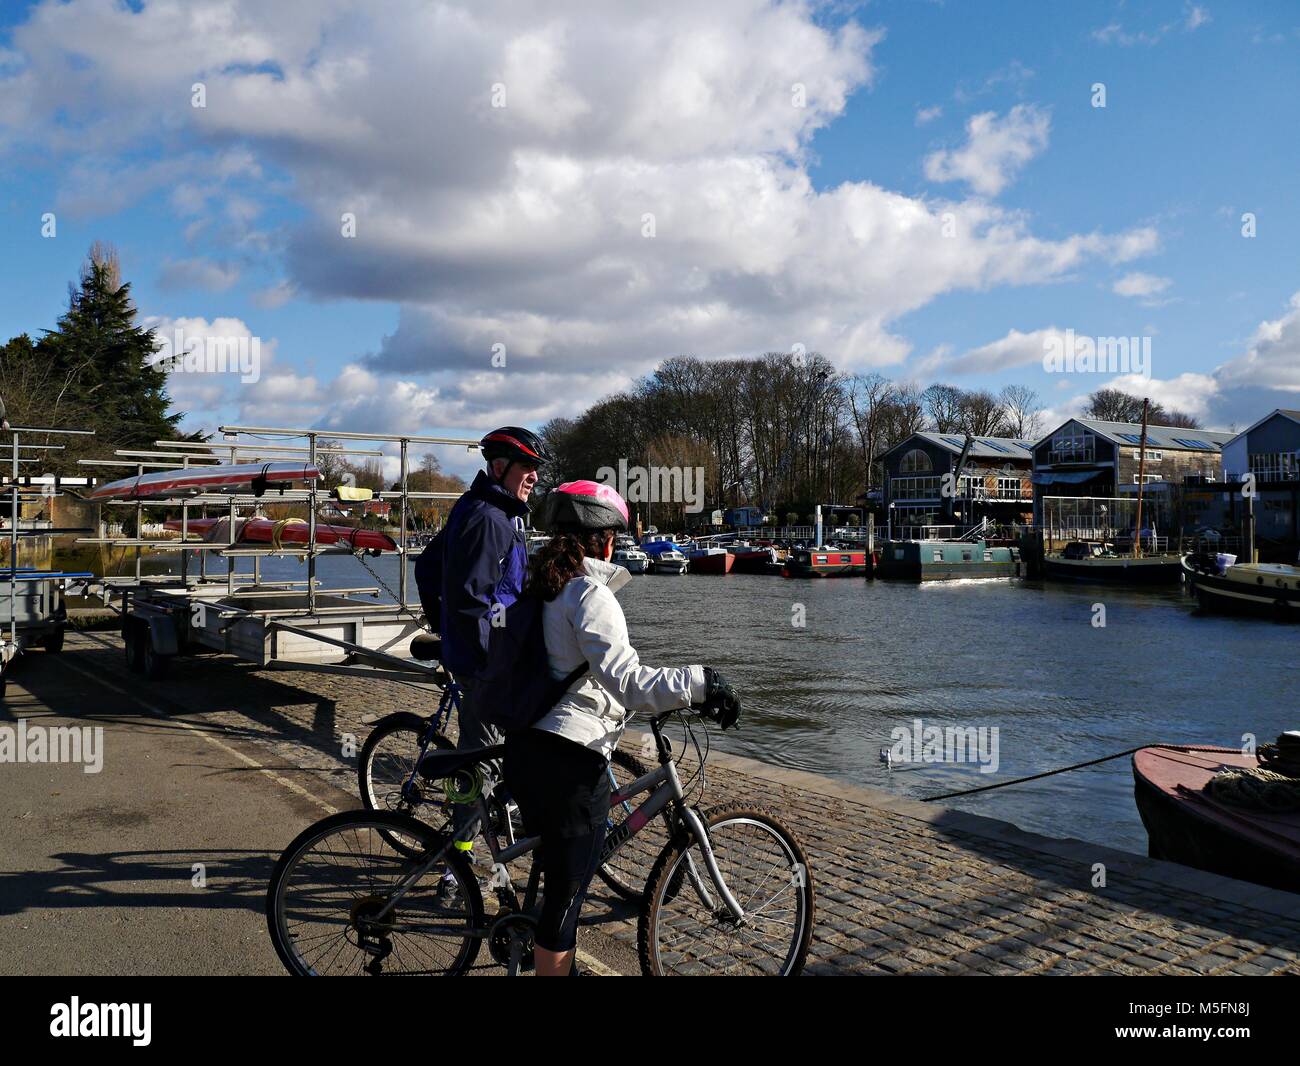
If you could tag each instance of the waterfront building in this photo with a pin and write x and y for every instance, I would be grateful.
(995, 483)
(1270, 451)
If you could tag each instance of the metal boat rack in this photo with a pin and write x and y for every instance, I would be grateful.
(288, 625)
(33, 611)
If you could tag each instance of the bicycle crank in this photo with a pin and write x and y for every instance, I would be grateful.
(372, 937)
(510, 940)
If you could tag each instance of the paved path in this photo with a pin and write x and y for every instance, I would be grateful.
(223, 764)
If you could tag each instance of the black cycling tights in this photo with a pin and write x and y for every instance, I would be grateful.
(562, 790)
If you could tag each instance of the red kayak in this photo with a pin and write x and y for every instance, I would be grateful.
(1186, 825)
(264, 531)
(255, 478)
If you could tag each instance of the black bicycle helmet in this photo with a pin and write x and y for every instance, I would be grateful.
(515, 444)
(581, 505)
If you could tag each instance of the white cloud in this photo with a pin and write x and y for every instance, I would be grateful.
(928, 114)
(1194, 17)
(1272, 358)
(523, 225)
(996, 149)
(1141, 286)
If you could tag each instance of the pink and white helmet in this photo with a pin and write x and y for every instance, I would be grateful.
(581, 505)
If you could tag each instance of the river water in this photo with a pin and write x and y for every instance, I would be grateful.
(1024, 658)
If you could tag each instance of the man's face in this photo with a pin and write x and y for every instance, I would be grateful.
(519, 479)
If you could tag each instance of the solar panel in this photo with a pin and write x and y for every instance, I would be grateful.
(1192, 442)
(956, 442)
(996, 446)
(1132, 438)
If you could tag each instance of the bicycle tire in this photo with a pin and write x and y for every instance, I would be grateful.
(667, 886)
(386, 825)
(383, 795)
(626, 871)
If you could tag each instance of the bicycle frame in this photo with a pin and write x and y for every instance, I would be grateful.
(664, 788)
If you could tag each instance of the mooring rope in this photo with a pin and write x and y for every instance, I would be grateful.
(1078, 766)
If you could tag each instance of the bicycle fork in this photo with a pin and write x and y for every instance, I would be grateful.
(701, 834)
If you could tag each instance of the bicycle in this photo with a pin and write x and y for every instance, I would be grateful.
(388, 777)
(343, 899)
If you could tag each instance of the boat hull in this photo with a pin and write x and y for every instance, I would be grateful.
(1121, 571)
(263, 531)
(1185, 826)
(238, 478)
(932, 560)
(714, 563)
(828, 563)
(1263, 597)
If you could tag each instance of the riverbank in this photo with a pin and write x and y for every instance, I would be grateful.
(222, 764)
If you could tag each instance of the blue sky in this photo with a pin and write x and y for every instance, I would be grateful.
(774, 224)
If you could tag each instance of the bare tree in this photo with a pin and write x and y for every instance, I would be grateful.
(982, 415)
(1023, 411)
(943, 403)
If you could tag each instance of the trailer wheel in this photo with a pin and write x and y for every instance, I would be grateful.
(53, 642)
(132, 640)
(153, 662)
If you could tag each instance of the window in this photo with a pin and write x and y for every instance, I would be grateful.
(1009, 488)
(1073, 446)
(915, 488)
(915, 462)
(1146, 478)
(972, 487)
(1275, 466)
(1152, 457)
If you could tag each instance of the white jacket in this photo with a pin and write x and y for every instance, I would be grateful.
(585, 624)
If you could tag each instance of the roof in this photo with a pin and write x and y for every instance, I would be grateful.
(1293, 415)
(1170, 438)
(982, 448)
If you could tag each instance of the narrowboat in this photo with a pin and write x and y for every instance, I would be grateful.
(1190, 824)
(826, 562)
(753, 559)
(1269, 590)
(946, 560)
(1082, 560)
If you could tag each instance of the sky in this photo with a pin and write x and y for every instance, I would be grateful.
(437, 217)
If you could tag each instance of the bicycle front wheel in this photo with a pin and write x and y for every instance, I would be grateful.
(327, 906)
(386, 770)
(687, 929)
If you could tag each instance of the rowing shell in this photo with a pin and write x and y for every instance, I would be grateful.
(255, 478)
(293, 531)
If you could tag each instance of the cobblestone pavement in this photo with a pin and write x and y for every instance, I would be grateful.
(902, 887)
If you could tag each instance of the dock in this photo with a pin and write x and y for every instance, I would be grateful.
(222, 763)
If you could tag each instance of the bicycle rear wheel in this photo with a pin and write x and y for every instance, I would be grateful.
(331, 883)
(686, 929)
(386, 764)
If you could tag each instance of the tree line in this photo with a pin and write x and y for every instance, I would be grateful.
(786, 431)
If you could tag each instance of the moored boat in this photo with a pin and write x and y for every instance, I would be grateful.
(710, 560)
(753, 559)
(633, 559)
(946, 560)
(665, 557)
(1270, 590)
(1082, 560)
(1187, 824)
(826, 562)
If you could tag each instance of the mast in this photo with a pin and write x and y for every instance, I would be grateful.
(1142, 466)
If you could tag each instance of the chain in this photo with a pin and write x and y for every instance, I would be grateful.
(360, 556)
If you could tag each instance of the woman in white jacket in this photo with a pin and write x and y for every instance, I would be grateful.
(557, 770)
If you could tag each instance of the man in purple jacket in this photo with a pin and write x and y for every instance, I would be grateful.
(477, 565)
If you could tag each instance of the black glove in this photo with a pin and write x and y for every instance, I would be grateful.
(720, 701)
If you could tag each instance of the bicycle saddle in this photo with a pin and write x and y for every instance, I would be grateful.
(439, 764)
(426, 647)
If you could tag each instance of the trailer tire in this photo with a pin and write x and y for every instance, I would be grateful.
(132, 640)
(153, 663)
(53, 642)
